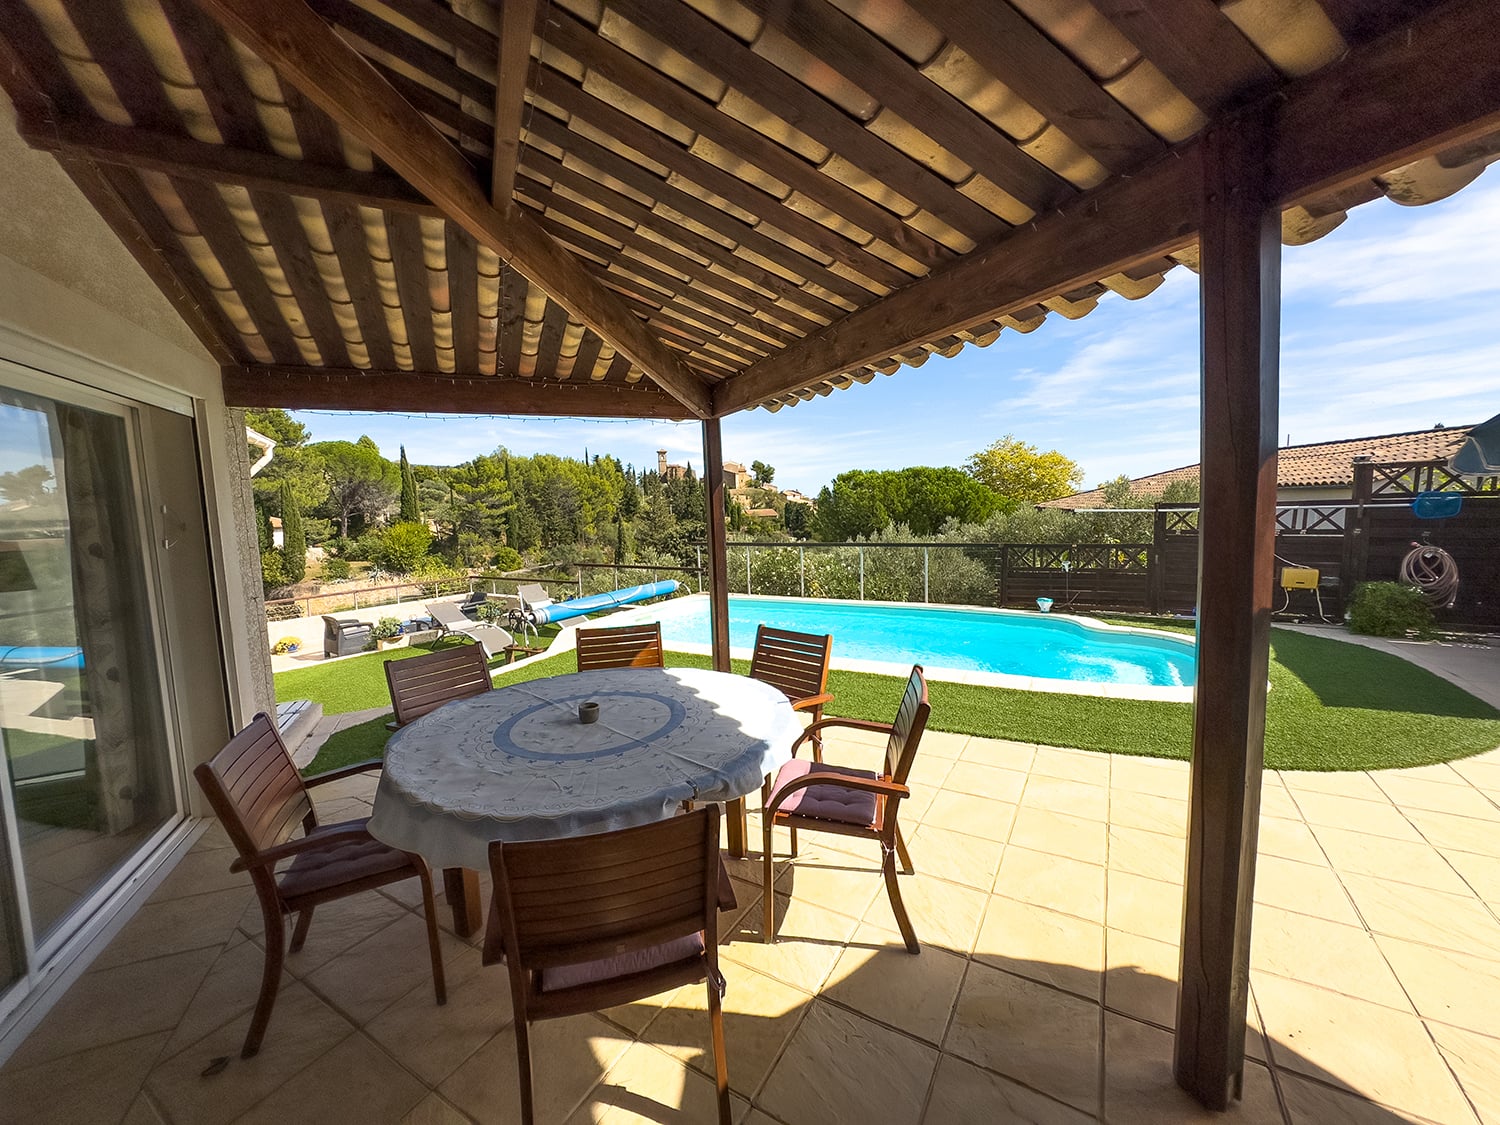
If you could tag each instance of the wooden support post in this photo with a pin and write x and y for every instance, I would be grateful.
(718, 588)
(1241, 289)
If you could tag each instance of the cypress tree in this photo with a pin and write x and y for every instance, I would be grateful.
(411, 509)
(293, 538)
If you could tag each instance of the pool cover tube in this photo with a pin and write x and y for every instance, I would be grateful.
(577, 607)
(40, 656)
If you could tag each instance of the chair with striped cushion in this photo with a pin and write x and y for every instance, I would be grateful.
(819, 797)
(424, 683)
(797, 665)
(589, 922)
(260, 799)
(627, 646)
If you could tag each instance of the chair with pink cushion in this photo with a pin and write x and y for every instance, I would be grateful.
(589, 922)
(821, 797)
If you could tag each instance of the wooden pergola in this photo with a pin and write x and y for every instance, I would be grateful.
(685, 208)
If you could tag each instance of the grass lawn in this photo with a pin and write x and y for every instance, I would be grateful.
(1332, 706)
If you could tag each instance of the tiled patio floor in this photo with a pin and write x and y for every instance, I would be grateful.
(1048, 901)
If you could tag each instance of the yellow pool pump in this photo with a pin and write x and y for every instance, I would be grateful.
(1299, 578)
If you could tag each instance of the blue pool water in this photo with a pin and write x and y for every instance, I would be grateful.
(1018, 643)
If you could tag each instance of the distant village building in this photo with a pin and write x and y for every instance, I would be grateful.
(666, 471)
(792, 496)
(278, 536)
(736, 475)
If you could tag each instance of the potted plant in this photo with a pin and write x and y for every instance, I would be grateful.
(387, 633)
(286, 646)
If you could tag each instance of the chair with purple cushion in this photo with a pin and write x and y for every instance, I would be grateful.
(588, 922)
(820, 797)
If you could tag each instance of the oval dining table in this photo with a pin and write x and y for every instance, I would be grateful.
(518, 763)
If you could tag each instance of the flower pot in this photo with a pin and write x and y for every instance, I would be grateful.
(392, 642)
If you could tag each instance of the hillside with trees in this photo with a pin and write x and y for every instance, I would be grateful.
(373, 518)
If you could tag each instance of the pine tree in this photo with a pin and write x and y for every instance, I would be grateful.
(293, 539)
(411, 509)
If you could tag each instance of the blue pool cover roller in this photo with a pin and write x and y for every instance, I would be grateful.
(593, 603)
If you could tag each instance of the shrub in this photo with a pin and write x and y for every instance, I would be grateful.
(335, 570)
(272, 570)
(386, 629)
(1389, 609)
(508, 558)
(490, 611)
(403, 546)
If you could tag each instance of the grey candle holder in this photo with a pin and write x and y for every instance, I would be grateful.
(588, 712)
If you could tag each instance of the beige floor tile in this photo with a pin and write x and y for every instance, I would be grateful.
(647, 1085)
(974, 816)
(356, 1081)
(434, 1109)
(360, 785)
(1057, 949)
(1381, 1054)
(568, 1057)
(1139, 1088)
(378, 971)
(1480, 872)
(110, 1005)
(1076, 798)
(929, 773)
(1437, 796)
(944, 915)
(1457, 833)
(1149, 811)
(992, 782)
(955, 856)
(1328, 954)
(1476, 1061)
(1313, 1103)
(1458, 922)
(1482, 770)
(808, 941)
(143, 1111)
(1290, 839)
(1448, 986)
(175, 925)
(229, 990)
(98, 1084)
(1004, 753)
(842, 1067)
(964, 1094)
(1148, 907)
(1140, 977)
(340, 925)
(1402, 861)
(877, 977)
(1157, 777)
(1052, 881)
(1055, 833)
(1304, 887)
(303, 1028)
(1338, 783)
(760, 1014)
(1071, 765)
(1046, 1039)
(835, 881)
(201, 871)
(1276, 801)
(943, 744)
(433, 1040)
(1152, 854)
(1378, 818)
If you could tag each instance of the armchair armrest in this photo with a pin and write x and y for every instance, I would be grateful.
(319, 838)
(854, 724)
(879, 787)
(345, 624)
(343, 771)
(812, 701)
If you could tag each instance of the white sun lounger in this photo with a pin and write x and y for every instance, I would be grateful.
(450, 617)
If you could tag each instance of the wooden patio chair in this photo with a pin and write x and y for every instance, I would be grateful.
(589, 922)
(797, 665)
(260, 799)
(626, 646)
(826, 798)
(424, 683)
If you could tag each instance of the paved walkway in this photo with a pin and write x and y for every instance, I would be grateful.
(1048, 901)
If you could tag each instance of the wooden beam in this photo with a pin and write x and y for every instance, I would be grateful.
(184, 158)
(517, 22)
(1241, 292)
(322, 388)
(718, 589)
(309, 55)
(1419, 89)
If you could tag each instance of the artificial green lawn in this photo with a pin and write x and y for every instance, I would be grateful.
(1332, 706)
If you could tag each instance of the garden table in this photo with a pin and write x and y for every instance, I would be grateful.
(518, 764)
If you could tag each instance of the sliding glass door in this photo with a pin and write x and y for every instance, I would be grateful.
(88, 773)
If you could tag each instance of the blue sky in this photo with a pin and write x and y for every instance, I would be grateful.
(1389, 323)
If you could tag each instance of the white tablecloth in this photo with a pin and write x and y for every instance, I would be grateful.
(517, 764)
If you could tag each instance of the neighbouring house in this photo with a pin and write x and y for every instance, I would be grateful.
(1320, 471)
(736, 475)
(792, 496)
(278, 532)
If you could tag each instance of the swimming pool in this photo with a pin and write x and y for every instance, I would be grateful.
(1005, 643)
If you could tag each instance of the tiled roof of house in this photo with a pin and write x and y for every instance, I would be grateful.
(1324, 464)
